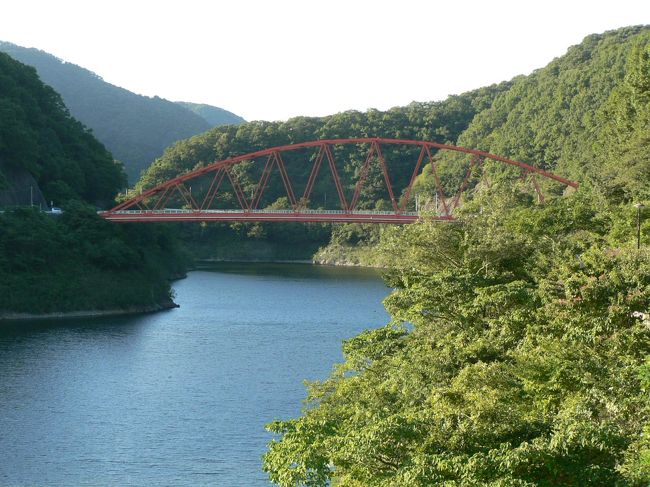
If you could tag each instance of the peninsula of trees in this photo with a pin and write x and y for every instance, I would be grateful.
(71, 261)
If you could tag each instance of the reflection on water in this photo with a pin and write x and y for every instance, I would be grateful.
(178, 397)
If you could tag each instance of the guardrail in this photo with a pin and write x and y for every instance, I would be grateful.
(283, 215)
(177, 211)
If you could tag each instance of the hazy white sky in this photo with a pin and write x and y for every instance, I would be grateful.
(277, 59)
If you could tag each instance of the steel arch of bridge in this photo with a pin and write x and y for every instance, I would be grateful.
(150, 206)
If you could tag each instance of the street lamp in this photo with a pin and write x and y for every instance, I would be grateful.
(639, 207)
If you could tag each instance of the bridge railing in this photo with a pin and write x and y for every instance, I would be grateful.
(181, 211)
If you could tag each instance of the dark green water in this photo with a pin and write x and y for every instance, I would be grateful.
(179, 397)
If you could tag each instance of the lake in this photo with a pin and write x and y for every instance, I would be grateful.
(178, 397)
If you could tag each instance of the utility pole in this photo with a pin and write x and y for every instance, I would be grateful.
(639, 207)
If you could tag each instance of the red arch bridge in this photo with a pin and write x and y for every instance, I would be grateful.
(223, 181)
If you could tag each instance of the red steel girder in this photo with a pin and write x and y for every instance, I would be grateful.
(384, 170)
(285, 180)
(414, 175)
(475, 160)
(264, 179)
(337, 179)
(314, 173)
(239, 193)
(186, 193)
(214, 188)
(164, 190)
(362, 177)
(274, 159)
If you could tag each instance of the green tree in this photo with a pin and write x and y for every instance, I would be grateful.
(38, 135)
(624, 136)
(510, 359)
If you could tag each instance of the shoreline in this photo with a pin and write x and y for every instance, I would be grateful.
(339, 263)
(58, 315)
(198, 264)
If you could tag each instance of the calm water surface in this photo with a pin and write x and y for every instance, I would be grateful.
(179, 397)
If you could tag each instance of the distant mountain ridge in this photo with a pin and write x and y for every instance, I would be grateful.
(135, 128)
(215, 116)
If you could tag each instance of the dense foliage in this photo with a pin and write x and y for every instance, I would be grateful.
(572, 117)
(135, 128)
(72, 260)
(436, 121)
(517, 351)
(38, 135)
(624, 135)
(78, 261)
(512, 359)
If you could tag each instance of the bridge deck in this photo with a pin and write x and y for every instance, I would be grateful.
(330, 216)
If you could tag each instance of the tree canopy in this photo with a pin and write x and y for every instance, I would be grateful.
(74, 260)
(38, 134)
(512, 358)
(517, 353)
(78, 261)
(576, 116)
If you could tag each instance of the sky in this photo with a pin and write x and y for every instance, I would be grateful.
(276, 59)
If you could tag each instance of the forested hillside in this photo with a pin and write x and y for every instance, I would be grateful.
(213, 115)
(518, 349)
(135, 128)
(569, 117)
(74, 260)
(436, 121)
(562, 118)
(38, 135)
